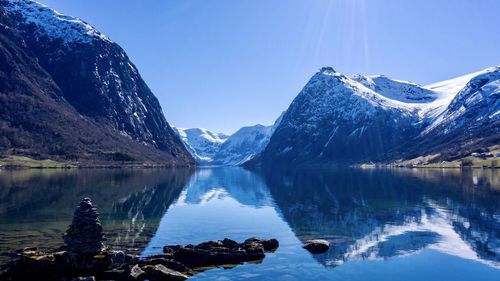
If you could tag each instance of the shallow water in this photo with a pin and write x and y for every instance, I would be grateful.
(399, 224)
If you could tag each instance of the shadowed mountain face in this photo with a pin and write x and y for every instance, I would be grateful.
(380, 214)
(41, 203)
(68, 92)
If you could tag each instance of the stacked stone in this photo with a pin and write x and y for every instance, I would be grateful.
(85, 234)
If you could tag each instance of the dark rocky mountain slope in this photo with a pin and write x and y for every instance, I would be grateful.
(70, 93)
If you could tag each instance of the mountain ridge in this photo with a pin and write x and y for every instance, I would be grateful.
(361, 119)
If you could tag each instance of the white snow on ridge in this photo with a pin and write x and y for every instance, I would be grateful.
(201, 143)
(454, 85)
(334, 83)
(446, 92)
(429, 101)
(243, 145)
(53, 24)
(204, 134)
(213, 149)
(396, 89)
(354, 98)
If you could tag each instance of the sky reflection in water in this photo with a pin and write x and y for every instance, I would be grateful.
(383, 224)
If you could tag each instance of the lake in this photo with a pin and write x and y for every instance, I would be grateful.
(383, 224)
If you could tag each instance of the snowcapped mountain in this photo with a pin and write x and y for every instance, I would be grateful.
(471, 119)
(335, 117)
(243, 145)
(340, 119)
(47, 24)
(201, 143)
(395, 89)
(97, 82)
(216, 149)
(477, 101)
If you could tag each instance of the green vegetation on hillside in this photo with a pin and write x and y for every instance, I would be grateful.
(26, 162)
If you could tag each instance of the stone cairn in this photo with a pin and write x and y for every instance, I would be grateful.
(85, 234)
(86, 259)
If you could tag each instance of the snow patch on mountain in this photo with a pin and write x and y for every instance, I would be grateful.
(201, 143)
(396, 89)
(243, 145)
(363, 117)
(476, 94)
(51, 24)
(215, 149)
(329, 92)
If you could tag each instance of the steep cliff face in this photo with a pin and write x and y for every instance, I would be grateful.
(91, 79)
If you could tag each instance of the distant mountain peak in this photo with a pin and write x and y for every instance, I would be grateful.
(50, 24)
(209, 148)
(327, 70)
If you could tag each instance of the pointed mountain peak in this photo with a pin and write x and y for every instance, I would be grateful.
(327, 70)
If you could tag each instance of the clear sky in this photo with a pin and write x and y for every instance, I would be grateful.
(224, 64)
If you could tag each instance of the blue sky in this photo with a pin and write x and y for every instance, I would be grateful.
(224, 64)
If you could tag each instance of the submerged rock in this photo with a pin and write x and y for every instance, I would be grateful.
(87, 278)
(160, 272)
(136, 273)
(317, 246)
(85, 235)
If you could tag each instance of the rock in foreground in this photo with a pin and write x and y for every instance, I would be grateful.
(176, 263)
(317, 246)
(221, 252)
(85, 258)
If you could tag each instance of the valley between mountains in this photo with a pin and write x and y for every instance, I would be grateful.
(71, 96)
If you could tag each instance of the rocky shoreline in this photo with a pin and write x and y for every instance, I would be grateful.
(84, 257)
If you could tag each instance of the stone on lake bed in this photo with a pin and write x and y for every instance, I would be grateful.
(136, 273)
(87, 278)
(317, 246)
(160, 272)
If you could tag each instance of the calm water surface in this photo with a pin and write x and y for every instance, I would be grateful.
(404, 224)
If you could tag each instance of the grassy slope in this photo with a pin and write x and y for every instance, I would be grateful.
(26, 162)
(473, 162)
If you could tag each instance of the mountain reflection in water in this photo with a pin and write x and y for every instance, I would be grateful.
(36, 206)
(377, 214)
(383, 224)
